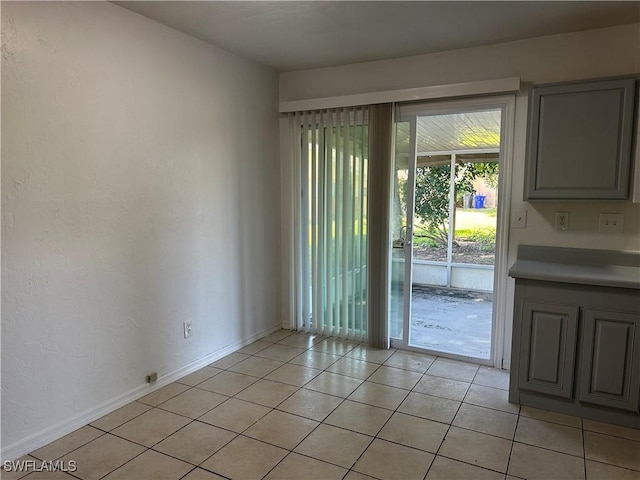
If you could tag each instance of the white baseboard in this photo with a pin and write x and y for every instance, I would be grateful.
(60, 429)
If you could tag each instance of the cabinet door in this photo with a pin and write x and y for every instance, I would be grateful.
(548, 348)
(579, 140)
(610, 360)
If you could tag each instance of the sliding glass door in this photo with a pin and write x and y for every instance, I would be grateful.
(444, 231)
(401, 228)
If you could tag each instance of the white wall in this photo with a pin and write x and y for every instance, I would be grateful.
(140, 188)
(602, 52)
(590, 54)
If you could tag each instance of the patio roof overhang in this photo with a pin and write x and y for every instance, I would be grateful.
(471, 136)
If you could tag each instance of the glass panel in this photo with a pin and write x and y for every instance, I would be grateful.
(431, 216)
(476, 213)
(399, 229)
(454, 232)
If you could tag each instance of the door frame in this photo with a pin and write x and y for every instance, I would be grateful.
(409, 113)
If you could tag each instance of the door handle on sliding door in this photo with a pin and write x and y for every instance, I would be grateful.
(402, 241)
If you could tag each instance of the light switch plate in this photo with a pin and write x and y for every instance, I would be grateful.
(611, 223)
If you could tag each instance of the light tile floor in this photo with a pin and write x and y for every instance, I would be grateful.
(296, 406)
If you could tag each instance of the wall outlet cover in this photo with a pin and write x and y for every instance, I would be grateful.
(519, 217)
(611, 223)
(562, 221)
(188, 328)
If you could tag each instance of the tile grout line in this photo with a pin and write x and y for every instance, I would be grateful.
(316, 427)
(191, 421)
(412, 390)
(289, 451)
(584, 448)
(131, 459)
(381, 428)
(186, 461)
(462, 402)
(263, 416)
(31, 454)
(344, 399)
(452, 419)
(513, 440)
(396, 411)
(615, 436)
(188, 473)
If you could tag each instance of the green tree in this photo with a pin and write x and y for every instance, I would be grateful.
(432, 194)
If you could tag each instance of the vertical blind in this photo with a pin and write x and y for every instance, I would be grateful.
(331, 151)
(381, 118)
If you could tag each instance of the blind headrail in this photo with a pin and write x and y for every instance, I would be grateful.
(483, 87)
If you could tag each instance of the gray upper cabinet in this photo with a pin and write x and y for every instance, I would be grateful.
(579, 140)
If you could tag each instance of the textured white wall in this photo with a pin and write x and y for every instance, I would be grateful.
(589, 54)
(140, 187)
(554, 58)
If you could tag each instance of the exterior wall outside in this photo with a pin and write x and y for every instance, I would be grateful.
(428, 274)
(472, 277)
(465, 277)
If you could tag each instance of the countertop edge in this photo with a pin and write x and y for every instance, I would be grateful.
(623, 277)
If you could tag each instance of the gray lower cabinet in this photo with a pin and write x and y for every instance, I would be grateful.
(609, 365)
(576, 350)
(548, 348)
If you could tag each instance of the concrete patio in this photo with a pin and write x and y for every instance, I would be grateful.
(449, 320)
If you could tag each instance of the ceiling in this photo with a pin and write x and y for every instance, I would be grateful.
(295, 35)
(458, 132)
(469, 134)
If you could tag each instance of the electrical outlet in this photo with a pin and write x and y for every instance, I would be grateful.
(188, 331)
(562, 221)
(611, 222)
(152, 377)
(519, 217)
